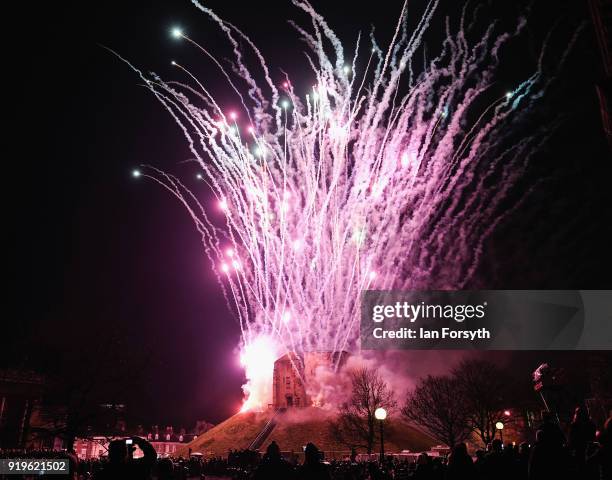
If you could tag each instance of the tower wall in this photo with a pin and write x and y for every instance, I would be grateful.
(288, 390)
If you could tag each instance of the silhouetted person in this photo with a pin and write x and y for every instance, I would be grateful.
(510, 462)
(73, 465)
(480, 463)
(165, 469)
(438, 469)
(601, 460)
(122, 466)
(460, 464)
(552, 430)
(581, 434)
(424, 468)
(313, 467)
(549, 459)
(523, 461)
(273, 466)
(494, 460)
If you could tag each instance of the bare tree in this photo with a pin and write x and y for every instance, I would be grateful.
(483, 388)
(356, 424)
(436, 406)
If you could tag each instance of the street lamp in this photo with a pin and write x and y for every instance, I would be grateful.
(500, 427)
(380, 414)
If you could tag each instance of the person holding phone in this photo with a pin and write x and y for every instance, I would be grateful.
(121, 463)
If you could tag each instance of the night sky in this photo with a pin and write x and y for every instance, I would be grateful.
(92, 249)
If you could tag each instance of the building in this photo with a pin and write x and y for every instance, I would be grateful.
(165, 442)
(21, 392)
(295, 376)
(93, 447)
(288, 389)
(168, 442)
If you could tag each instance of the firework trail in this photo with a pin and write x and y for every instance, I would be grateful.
(376, 178)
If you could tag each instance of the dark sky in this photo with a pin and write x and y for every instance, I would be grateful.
(92, 248)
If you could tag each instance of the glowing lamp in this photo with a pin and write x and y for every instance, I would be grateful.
(380, 414)
(507, 413)
(499, 425)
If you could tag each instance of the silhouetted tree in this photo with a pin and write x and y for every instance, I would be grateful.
(356, 425)
(436, 406)
(484, 390)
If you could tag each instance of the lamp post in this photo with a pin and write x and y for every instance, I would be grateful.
(380, 414)
(500, 427)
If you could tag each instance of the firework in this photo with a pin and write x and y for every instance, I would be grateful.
(378, 177)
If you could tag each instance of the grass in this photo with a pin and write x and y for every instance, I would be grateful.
(295, 429)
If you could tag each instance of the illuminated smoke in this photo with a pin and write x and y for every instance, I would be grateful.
(257, 358)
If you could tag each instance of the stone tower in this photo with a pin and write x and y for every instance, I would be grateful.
(288, 389)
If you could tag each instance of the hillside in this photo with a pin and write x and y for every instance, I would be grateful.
(237, 432)
(294, 429)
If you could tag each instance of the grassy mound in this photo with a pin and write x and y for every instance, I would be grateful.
(294, 429)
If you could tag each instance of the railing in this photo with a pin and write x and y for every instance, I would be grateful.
(265, 432)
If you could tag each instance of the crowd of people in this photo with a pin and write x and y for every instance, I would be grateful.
(585, 455)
